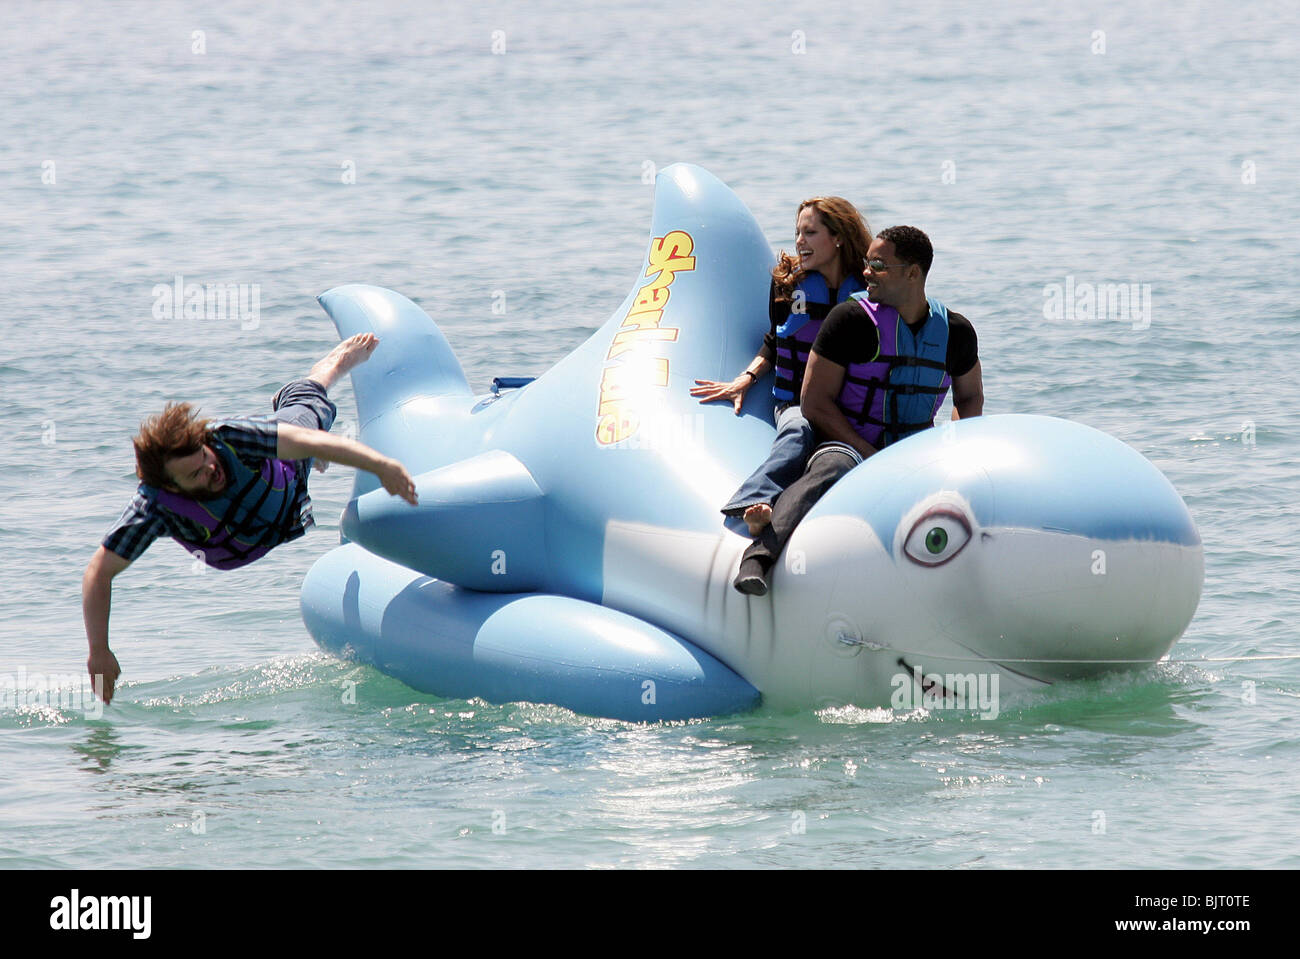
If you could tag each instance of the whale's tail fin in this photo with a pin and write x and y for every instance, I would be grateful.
(398, 389)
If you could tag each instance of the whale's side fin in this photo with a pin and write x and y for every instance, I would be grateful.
(479, 524)
(398, 389)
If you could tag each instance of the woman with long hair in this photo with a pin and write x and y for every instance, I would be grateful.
(831, 240)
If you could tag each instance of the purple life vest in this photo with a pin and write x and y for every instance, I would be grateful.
(795, 337)
(258, 511)
(899, 391)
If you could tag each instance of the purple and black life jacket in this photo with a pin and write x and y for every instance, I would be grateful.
(899, 391)
(794, 337)
(259, 510)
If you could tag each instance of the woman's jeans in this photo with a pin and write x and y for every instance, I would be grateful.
(785, 464)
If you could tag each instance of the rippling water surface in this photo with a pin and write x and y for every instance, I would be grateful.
(1103, 143)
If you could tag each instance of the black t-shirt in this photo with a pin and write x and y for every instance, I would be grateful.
(848, 336)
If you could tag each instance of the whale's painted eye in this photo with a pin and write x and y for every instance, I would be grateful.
(936, 540)
(937, 537)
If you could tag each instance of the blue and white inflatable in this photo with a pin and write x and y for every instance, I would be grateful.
(568, 547)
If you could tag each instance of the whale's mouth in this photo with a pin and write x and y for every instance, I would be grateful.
(1017, 672)
(929, 685)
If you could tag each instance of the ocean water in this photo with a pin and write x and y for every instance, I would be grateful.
(464, 153)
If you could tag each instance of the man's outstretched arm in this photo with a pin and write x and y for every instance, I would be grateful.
(96, 598)
(299, 443)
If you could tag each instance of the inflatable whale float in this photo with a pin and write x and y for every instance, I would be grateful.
(568, 547)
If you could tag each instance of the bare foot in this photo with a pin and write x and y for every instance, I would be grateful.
(758, 516)
(341, 360)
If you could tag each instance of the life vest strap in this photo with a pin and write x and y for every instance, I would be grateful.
(906, 388)
(898, 361)
(891, 426)
(278, 527)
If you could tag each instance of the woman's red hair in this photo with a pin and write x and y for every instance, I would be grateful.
(843, 221)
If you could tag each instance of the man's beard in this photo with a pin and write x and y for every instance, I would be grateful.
(208, 495)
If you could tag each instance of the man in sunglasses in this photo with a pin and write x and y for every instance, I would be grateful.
(230, 490)
(877, 373)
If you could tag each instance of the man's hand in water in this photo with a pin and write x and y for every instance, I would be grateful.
(96, 598)
(104, 671)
